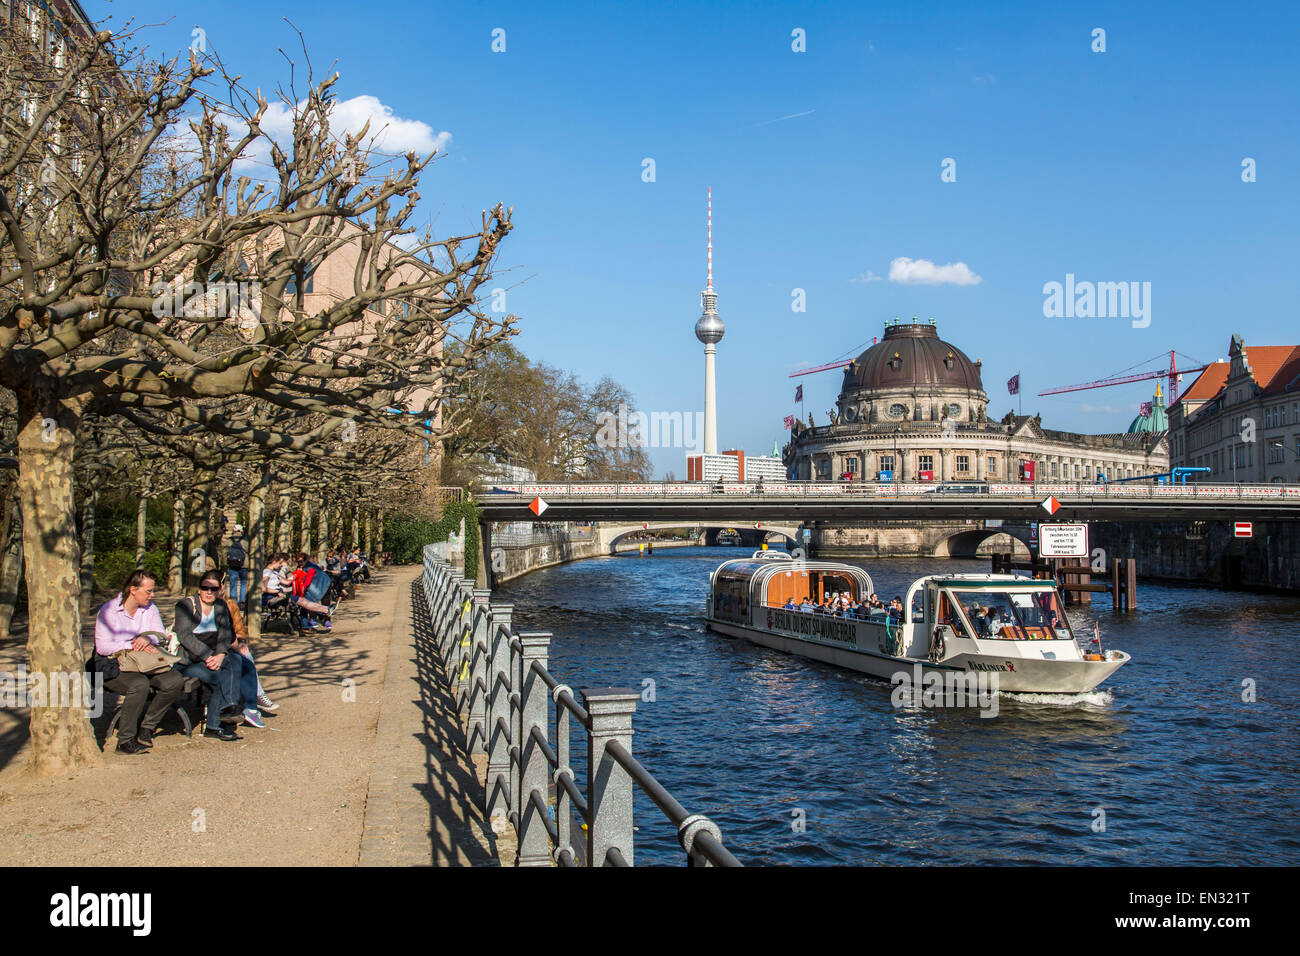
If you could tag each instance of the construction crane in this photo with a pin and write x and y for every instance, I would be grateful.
(1172, 375)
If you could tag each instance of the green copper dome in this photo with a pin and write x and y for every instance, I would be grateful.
(1157, 421)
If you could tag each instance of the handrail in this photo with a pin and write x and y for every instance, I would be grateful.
(507, 695)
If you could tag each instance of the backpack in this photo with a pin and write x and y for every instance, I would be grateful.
(235, 556)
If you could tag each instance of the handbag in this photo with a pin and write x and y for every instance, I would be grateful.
(145, 662)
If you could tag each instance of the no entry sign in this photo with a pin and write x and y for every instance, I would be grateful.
(1243, 529)
(1063, 541)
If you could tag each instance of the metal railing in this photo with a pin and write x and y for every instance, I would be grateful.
(506, 693)
(971, 488)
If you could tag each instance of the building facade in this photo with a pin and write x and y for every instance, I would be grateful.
(913, 408)
(1241, 417)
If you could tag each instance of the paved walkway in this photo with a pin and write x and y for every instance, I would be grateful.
(364, 763)
(425, 799)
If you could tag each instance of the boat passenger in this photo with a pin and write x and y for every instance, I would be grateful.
(789, 604)
(981, 621)
(807, 605)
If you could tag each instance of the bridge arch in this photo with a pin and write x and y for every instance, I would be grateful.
(966, 544)
(611, 534)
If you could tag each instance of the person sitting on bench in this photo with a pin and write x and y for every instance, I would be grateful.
(206, 632)
(118, 627)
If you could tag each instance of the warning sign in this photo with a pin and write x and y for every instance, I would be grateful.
(1063, 541)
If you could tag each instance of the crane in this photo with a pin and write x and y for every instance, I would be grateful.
(1172, 375)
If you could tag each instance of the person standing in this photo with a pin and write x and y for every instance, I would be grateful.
(236, 558)
(120, 626)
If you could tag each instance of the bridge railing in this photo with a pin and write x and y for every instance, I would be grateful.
(821, 489)
(505, 690)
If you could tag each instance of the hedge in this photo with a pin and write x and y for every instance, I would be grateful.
(406, 536)
(113, 567)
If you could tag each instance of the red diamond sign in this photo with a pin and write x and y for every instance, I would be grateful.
(537, 506)
(1050, 505)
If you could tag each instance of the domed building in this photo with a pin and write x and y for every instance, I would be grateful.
(912, 408)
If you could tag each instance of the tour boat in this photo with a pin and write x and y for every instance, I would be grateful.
(950, 624)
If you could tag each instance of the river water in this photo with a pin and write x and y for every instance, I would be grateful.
(800, 762)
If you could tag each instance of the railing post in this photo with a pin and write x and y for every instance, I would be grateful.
(534, 841)
(498, 741)
(609, 787)
(458, 639)
(476, 695)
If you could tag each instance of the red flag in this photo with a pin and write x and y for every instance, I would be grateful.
(798, 394)
(1145, 409)
(1013, 384)
(789, 421)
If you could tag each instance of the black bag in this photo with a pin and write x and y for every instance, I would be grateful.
(107, 666)
(235, 556)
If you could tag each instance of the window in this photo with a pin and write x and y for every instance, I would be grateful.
(963, 464)
(993, 466)
(1056, 470)
(886, 462)
(925, 462)
(954, 411)
(851, 465)
(897, 410)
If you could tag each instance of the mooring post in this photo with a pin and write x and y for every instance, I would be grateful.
(1116, 589)
(498, 715)
(609, 787)
(1131, 582)
(534, 776)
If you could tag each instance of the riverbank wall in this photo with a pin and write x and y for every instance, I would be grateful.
(1206, 552)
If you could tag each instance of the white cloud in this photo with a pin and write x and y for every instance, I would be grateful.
(867, 276)
(388, 133)
(924, 272)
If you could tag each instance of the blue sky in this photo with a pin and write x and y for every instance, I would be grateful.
(1115, 166)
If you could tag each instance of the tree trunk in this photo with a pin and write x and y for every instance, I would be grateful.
(88, 504)
(366, 546)
(379, 542)
(176, 566)
(323, 540)
(256, 559)
(356, 526)
(286, 520)
(11, 559)
(199, 534)
(61, 737)
(304, 543)
(141, 522)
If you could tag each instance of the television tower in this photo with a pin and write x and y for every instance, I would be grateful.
(709, 330)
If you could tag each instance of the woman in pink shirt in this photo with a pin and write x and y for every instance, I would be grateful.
(118, 627)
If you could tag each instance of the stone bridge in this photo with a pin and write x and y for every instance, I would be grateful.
(751, 533)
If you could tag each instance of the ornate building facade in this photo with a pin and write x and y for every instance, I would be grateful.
(913, 408)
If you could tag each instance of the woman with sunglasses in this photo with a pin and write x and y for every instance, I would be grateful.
(206, 632)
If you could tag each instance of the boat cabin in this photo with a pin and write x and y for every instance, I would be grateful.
(739, 585)
(992, 606)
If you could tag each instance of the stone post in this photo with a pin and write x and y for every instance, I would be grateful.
(476, 700)
(498, 701)
(609, 787)
(534, 841)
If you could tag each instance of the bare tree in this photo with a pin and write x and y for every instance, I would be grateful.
(107, 276)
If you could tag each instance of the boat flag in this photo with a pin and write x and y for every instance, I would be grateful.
(789, 421)
(1013, 384)
(798, 394)
(1145, 409)
(537, 506)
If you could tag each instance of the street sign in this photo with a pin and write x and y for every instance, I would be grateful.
(537, 506)
(1051, 505)
(1243, 529)
(1063, 541)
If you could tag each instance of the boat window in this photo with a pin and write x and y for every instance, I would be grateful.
(731, 595)
(1016, 615)
(950, 613)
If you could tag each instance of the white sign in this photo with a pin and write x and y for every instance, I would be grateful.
(1243, 529)
(1063, 541)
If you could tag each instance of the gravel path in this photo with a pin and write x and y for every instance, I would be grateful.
(360, 719)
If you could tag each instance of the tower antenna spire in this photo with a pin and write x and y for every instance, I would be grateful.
(710, 285)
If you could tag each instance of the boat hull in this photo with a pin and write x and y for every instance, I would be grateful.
(1014, 674)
